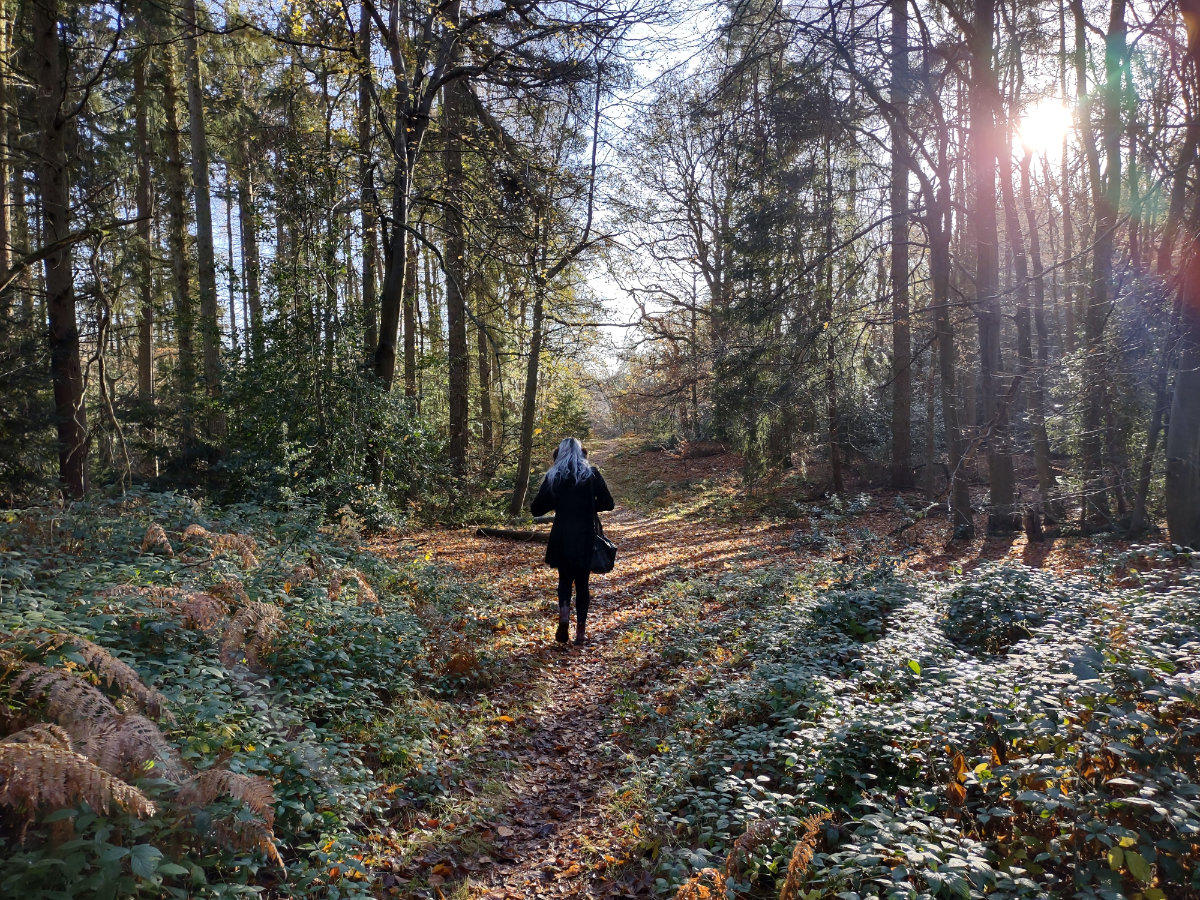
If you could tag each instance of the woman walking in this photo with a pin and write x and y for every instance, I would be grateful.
(576, 492)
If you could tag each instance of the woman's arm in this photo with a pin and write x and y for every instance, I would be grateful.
(544, 501)
(604, 499)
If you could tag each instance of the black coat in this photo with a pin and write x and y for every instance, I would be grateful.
(573, 531)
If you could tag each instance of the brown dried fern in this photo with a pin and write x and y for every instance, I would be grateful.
(254, 791)
(195, 609)
(156, 538)
(241, 544)
(66, 698)
(231, 592)
(341, 576)
(756, 835)
(42, 733)
(201, 611)
(704, 885)
(133, 747)
(249, 633)
(115, 673)
(34, 776)
(195, 531)
(802, 855)
(301, 575)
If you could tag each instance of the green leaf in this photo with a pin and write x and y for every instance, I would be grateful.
(143, 859)
(1138, 867)
(915, 666)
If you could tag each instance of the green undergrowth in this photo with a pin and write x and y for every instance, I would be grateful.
(342, 698)
(1007, 733)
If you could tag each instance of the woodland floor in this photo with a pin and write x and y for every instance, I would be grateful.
(537, 811)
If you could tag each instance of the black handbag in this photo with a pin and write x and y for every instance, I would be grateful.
(604, 551)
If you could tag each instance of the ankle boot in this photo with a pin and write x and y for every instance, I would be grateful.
(561, 634)
(580, 634)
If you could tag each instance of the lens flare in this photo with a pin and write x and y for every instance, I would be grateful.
(1044, 125)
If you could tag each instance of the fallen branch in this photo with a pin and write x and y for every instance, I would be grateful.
(540, 537)
(919, 517)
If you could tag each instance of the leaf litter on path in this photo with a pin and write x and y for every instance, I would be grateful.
(550, 829)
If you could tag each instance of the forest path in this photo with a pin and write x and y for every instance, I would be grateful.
(532, 806)
(544, 827)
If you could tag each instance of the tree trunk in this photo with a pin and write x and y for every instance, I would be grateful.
(1183, 437)
(483, 356)
(459, 360)
(901, 341)
(206, 269)
(410, 325)
(230, 276)
(1047, 484)
(177, 240)
(1107, 199)
(529, 406)
(837, 480)
(367, 198)
(1171, 286)
(65, 370)
(961, 516)
(1002, 517)
(1068, 267)
(6, 236)
(248, 223)
(929, 479)
(145, 349)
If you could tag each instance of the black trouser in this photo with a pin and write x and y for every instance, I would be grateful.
(578, 578)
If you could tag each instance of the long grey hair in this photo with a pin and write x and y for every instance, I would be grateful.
(570, 465)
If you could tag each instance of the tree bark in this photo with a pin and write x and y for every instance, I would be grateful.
(181, 275)
(1068, 221)
(410, 325)
(1172, 286)
(206, 268)
(6, 151)
(1047, 483)
(529, 406)
(1095, 511)
(962, 518)
(145, 348)
(248, 224)
(901, 338)
(483, 357)
(50, 84)
(367, 197)
(459, 360)
(1002, 517)
(837, 480)
(1183, 437)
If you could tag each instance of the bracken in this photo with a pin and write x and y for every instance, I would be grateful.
(156, 538)
(756, 835)
(36, 775)
(704, 885)
(254, 791)
(802, 855)
(249, 633)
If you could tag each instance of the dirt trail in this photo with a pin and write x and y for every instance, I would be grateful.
(548, 834)
(545, 833)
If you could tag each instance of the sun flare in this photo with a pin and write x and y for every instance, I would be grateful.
(1044, 125)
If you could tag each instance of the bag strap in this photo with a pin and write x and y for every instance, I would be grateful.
(599, 529)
